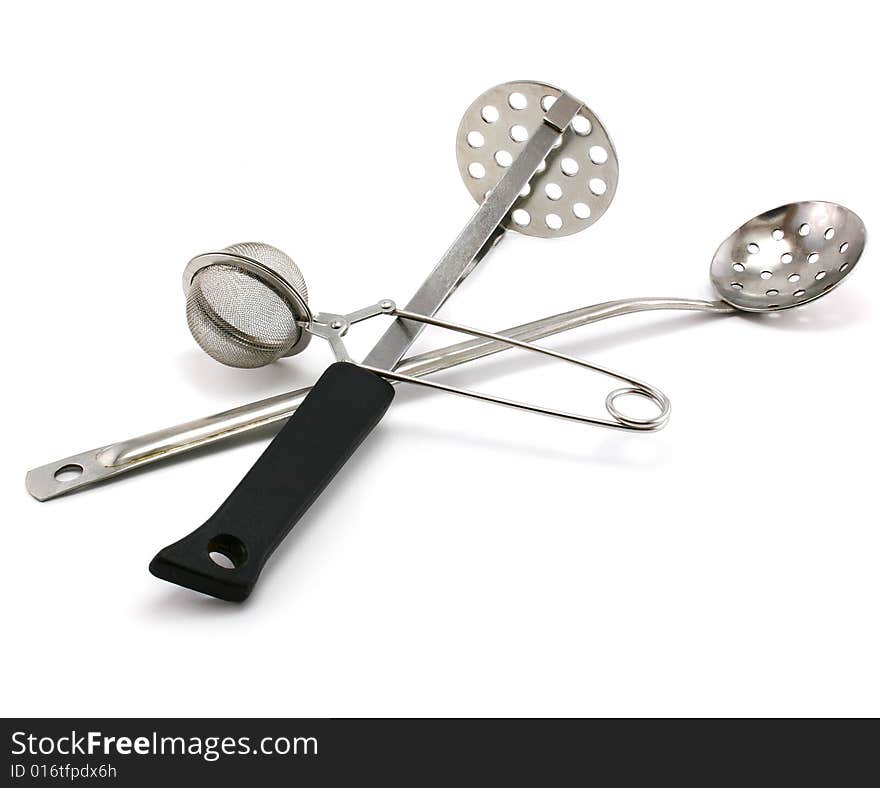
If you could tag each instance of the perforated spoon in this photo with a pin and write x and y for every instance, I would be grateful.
(778, 260)
(788, 256)
(777, 234)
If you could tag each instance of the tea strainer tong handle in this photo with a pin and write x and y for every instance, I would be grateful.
(344, 406)
(334, 327)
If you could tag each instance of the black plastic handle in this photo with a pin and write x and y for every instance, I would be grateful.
(340, 411)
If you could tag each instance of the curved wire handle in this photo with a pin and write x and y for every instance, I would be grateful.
(333, 327)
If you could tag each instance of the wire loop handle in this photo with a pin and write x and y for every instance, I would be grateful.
(333, 327)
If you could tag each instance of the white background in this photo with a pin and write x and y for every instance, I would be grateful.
(470, 560)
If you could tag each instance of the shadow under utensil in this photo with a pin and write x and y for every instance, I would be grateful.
(204, 373)
(841, 310)
(174, 602)
(627, 451)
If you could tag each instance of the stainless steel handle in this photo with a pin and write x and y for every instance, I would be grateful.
(105, 462)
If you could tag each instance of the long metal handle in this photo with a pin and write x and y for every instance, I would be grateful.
(105, 462)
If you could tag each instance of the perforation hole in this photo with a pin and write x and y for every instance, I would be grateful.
(739, 267)
(843, 247)
(526, 190)
(753, 248)
(799, 293)
(598, 154)
(581, 210)
(778, 234)
(804, 229)
(598, 186)
(821, 275)
(503, 158)
(772, 292)
(517, 101)
(794, 278)
(812, 258)
(476, 170)
(785, 258)
(581, 125)
(569, 166)
(843, 267)
(829, 234)
(489, 114)
(553, 221)
(547, 102)
(766, 275)
(736, 285)
(475, 139)
(553, 191)
(519, 133)
(522, 217)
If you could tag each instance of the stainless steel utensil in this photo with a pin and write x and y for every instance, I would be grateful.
(349, 400)
(732, 263)
(244, 304)
(569, 191)
(788, 256)
(73, 473)
(226, 327)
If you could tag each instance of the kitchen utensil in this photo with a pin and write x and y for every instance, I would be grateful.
(77, 471)
(788, 256)
(223, 322)
(847, 240)
(349, 400)
(244, 304)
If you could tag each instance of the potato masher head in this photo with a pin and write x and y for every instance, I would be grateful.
(244, 304)
(574, 185)
(788, 256)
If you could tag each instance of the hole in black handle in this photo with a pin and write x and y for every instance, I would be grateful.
(227, 551)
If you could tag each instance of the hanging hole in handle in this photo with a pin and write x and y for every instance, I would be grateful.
(67, 473)
(639, 422)
(227, 551)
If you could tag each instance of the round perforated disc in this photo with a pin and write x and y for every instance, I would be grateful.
(577, 180)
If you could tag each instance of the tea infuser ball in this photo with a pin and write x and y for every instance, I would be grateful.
(245, 304)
